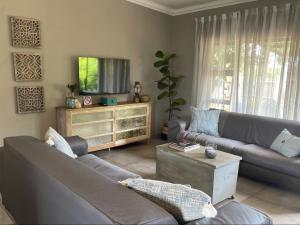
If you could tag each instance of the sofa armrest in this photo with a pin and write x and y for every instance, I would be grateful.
(78, 145)
(175, 126)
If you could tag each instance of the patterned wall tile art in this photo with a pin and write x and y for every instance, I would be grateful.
(28, 67)
(25, 32)
(30, 99)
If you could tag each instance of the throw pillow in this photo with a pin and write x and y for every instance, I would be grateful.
(54, 138)
(286, 144)
(205, 121)
(183, 202)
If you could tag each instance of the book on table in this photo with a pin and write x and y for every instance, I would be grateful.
(183, 146)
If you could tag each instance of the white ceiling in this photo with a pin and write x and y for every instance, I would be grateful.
(179, 7)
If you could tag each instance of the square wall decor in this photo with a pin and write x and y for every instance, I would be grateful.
(28, 67)
(25, 32)
(30, 99)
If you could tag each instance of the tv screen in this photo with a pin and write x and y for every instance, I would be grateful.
(103, 76)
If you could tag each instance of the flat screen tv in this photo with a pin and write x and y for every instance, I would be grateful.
(103, 76)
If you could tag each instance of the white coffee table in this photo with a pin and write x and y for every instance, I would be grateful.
(216, 177)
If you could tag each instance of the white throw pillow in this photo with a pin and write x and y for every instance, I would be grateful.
(286, 144)
(54, 138)
(205, 121)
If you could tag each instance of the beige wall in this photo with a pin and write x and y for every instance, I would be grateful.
(111, 28)
(183, 34)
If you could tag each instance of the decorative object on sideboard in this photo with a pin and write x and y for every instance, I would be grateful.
(71, 101)
(78, 104)
(108, 101)
(87, 100)
(168, 84)
(25, 32)
(30, 99)
(145, 98)
(210, 150)
(137, 92)
(27, 66)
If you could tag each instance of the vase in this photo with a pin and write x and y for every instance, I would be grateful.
(71, 102)
(210, 151)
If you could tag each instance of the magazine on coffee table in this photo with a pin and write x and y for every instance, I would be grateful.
(183, 146)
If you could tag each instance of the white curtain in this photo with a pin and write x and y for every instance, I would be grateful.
(249, 61)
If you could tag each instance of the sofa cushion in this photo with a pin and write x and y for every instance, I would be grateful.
(224, 144)
(269, 159)
(236, 213)
(52, 137)
(254, 129)
(286, 144)
(105, 168)
(205, 121)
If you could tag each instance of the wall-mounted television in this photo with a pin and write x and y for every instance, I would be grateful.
(103, 76)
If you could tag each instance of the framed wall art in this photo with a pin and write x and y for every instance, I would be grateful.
(27, 67)
(30, 99)
(25, 32)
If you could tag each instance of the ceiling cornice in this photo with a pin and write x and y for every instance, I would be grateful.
(153, 5)
(186, 10)
(206, 6)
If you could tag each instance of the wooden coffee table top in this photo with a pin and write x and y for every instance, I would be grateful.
(198, 155)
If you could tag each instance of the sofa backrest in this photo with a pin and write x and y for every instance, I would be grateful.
(44, 186)
(254, 129)
(1, 169)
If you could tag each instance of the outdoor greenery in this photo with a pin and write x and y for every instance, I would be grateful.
(88, 73)
(168, 83)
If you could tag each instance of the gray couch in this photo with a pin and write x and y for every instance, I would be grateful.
(43, 186)
(250, 137)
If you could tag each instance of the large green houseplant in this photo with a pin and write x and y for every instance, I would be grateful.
(168, 83)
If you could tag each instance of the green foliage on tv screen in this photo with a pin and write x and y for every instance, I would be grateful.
(89, 69)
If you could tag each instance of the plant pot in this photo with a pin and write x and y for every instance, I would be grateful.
(71, 102)
(164, 132)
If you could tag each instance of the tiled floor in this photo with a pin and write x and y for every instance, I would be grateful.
(4, 218)
(283, 206)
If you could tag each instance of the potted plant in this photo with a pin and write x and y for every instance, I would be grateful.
(71, 101)
(168, 85)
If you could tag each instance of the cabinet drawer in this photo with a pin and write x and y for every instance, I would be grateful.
(91, 117)
(131, 112)
(125, 124)
(131, 134)
(94, 129)
(99, 140)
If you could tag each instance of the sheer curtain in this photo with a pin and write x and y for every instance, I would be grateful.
(248, 61)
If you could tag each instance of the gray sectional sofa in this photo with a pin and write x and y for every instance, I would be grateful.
(41, 185)
(250, 137)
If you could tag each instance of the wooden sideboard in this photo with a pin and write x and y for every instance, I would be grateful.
(106, 126)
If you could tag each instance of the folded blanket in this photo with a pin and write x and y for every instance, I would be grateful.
(183, 202)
